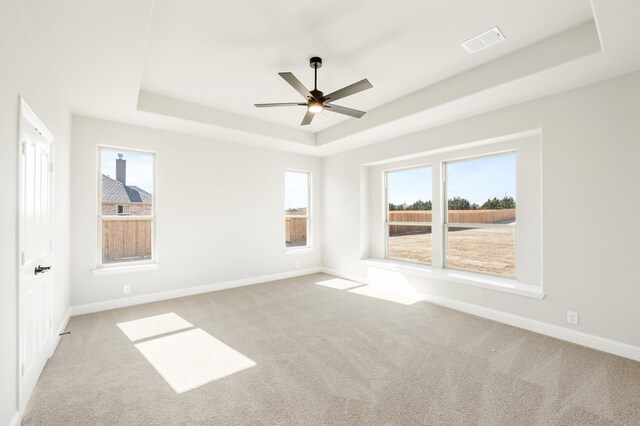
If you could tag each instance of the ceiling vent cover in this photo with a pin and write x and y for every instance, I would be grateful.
(484, 40)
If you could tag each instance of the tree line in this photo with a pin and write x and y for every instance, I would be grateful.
(459, 203)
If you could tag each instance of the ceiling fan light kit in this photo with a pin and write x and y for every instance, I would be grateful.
(316, 101)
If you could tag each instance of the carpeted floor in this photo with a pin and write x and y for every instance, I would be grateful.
(295, 352)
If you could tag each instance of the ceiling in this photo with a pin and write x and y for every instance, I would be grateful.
(197, 66)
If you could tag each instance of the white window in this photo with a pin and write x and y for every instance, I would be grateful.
(480, 220)
(477, 225)
(408, 216)
(297, 208)
(126, 218)
(123, 210)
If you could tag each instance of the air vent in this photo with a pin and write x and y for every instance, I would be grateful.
(484, 40)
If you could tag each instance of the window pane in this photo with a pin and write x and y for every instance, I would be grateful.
(296, 193)
(487, 250)
(126, 240)
(482, 190)
(411, 243)
(295, 231)
(127, 183)
(409, 195)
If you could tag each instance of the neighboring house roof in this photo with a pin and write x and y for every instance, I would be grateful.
(115, 192)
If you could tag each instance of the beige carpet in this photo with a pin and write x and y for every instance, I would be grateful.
(295, 352)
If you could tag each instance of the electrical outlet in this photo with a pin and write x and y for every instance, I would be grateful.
(572, 317)
(126, 289)
(298, 264)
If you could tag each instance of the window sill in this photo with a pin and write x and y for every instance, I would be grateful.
(108, 270)
(468, 278)
(300, 250)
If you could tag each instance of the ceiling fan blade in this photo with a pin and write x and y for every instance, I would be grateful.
(281, 104)
(349, 90)
(307, 118)
(344, 110)
(295, 83)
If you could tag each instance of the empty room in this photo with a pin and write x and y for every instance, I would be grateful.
(319, 213)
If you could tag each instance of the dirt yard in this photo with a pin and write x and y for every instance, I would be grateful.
(490, 251)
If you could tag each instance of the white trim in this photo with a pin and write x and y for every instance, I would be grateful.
(27, 114)
(34, 120)
(562, 333)
(101, 218)
(578, 337)
(119, 268)
(188, 291)
(16, 419)
(61, 328)
(490, 282)
(302, 250)
(339, 274)
(309, 214)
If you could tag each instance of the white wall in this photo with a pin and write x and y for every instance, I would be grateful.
(220, 211)
(26, 71)
(590, 204)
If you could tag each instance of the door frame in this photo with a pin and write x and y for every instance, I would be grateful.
(27, 114)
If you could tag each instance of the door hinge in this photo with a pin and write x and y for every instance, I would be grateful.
(22, 256)
(24, 147)
(22, 369)
(50, 245)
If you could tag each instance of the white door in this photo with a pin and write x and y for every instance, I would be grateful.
(35, 297)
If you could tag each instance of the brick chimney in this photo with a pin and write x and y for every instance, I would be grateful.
(121, 170)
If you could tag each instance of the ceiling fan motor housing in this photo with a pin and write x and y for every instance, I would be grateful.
(315, 62)
(317, 94)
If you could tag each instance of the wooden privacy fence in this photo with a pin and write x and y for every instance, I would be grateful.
(455, 216)
(295, 229)
(126, 240)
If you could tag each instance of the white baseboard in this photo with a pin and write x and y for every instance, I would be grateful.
(339, 274)
(189, 291)
(61, 328)
(562, 333)
(15, 420)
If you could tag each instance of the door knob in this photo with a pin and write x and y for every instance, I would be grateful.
(41, 269)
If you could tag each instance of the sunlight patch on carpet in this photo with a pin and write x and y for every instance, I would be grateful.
(192, 358)
(339, 284)
(153, 326)
(385, 295)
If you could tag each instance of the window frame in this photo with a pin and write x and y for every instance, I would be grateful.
(440, 209)
(126, 210)
(388, 223)
(445, 216)
(309, 244)
(153, 260)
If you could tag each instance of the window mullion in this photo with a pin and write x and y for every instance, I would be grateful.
(437, 215)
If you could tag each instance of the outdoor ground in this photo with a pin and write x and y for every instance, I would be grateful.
(488, 250)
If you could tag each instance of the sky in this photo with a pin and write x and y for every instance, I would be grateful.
(139, 167)
(296, 193)
(409, 185)
(477, 180)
